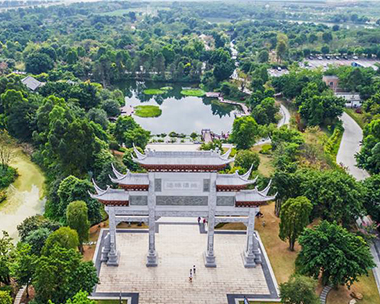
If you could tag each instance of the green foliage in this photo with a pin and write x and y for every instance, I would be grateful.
(7, 256)
(371, 196)
(295, 216)
(77, 219)
(369, 155)
(335, 195)
(38, 63)
(246, 158)
(245, 131)
(64, 237)
(33, 223)
(299, 290)
(214, 145)
(128, 161)
(338, 255)
(265, 112)
(148, 111)
(333, 144)
(5, 297)
(7, 176)
(36, 239)
(74, 189)
(61, 275)
(23, 266)
(81, 297)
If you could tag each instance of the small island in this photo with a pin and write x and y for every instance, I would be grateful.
(148, 111)
(154, 92)
(193, 92)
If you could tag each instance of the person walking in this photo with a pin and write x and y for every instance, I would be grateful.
(199, 220)
(194, 269)
(191, 276)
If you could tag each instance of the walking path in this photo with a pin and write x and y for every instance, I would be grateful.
(19, 295)
(349, 146)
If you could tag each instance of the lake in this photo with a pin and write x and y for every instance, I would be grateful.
(181, 114)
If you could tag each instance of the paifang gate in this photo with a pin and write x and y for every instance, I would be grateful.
(182, 184)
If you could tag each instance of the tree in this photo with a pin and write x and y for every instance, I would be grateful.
(128, 161)
(74, 189)
(112, 107)
(371, 196)
(246, 158)
(122, 125)
(263, 56)
(6, 151)
(80, 297)
(223, 70)
(295, 216)
(339, 256)
(137, 136)
(64, 237)
(245, 131)
(327, 37)
(23, 266)
(5, 297)
(36, 239)
(369, 156)
(282, 46)
(37, 63)
(33, 223)
(7, 255)
(61, 275)
(299, 290)
(325, 49)
(77, 219)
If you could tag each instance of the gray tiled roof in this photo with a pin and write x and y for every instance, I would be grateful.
(32, 83)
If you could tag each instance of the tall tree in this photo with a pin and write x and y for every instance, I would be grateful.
(77, 219)
(246, 158)
(331, 251)
(23, 266)
(295, 216)
(64, 237)
(245, 131)
(62, 274)
(7, 255)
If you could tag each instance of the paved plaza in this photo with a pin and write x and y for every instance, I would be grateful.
(179, 247)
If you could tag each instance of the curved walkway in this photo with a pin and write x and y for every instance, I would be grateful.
(349, 146)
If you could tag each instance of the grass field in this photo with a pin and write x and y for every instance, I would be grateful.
(193, 92)
(148, 111)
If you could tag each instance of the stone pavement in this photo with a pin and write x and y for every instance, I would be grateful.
(179, 247)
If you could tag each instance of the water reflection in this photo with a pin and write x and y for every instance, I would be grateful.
(182, 114)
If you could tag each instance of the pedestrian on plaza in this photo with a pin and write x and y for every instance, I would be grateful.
(199, 220)
(194, 270)
(191, 277)
(204, 221)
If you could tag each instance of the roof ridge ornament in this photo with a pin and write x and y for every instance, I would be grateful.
(117, 173)
(227, 154)
(248, 173)
(266, 189)
(138, 154)
(98, 190)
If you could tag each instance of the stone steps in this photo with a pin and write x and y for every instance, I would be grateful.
(324, 294)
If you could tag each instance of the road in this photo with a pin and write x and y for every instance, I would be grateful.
(349, 146)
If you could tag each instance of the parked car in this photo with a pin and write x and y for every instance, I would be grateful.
(328, 57)
(345, 57)
(279, 69)
(355, 57)
(337, 57)
(320, 58)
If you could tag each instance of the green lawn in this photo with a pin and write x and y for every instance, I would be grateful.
(154, 92)
(193, 92)
(166, 88)
(148, 111)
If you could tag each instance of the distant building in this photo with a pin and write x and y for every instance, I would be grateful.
(353, 100)
(32, 83)
(331, 81)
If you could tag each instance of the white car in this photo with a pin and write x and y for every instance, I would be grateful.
(355, 57)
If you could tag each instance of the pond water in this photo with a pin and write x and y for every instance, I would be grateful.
(24, 196)
(182, 114)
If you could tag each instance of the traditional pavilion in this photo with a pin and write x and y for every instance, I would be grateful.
(182, 184)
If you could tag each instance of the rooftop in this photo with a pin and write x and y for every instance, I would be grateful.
(32, 83)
